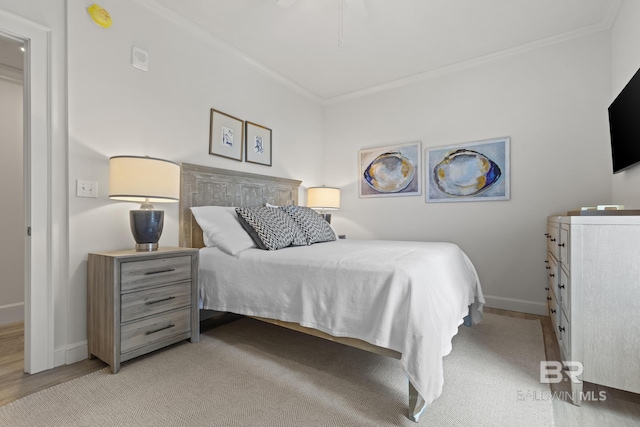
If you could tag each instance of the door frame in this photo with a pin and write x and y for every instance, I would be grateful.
(37, 119)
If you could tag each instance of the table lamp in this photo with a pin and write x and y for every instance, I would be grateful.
(324, 199)
(145, 180)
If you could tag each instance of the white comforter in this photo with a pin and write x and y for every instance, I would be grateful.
(407, 296)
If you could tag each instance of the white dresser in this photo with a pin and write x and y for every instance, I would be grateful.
(593, 266)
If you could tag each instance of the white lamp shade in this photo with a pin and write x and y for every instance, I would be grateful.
(141, 179)
(327, 198)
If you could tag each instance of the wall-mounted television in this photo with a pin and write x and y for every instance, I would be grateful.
(624, 126)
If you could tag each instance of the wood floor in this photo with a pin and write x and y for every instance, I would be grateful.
(14, 383)
(618, 409)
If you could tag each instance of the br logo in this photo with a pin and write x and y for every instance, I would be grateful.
(551, 371)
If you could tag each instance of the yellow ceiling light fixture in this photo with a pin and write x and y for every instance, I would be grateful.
(99, 15)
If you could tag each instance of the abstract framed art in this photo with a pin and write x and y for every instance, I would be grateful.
(469, 172)
(258, 144)
(225, 135)
(392, 170)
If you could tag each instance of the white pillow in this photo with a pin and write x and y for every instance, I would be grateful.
(222, 229)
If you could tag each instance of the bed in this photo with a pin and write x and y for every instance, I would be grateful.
(404, 300)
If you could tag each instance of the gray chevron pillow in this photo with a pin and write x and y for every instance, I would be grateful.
(271, 229)
(315, 228)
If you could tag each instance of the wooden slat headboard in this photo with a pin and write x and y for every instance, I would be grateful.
(207, 186)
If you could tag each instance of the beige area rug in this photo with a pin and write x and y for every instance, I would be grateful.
(249, 373)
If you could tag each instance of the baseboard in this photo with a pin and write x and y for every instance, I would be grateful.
(59, 357)
(77, 352)
(513, 304)
(71, 354)
(11, 313)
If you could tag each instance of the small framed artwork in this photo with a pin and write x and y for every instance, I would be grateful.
(257, 144)
(225, 136)
(392, 170)
(470, 172)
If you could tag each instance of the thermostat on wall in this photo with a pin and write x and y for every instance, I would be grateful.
(139, 59)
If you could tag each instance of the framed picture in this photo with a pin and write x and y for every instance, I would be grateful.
(392, 170)
(469, 172)
(257, 144)
(225, 136)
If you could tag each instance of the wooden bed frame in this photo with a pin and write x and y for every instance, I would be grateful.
(207, 186)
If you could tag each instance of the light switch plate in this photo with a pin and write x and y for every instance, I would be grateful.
(86, 188)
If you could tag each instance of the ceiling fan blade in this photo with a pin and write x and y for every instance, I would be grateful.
(285, 3)
(357, 8)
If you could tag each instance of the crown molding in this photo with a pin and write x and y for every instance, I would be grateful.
(218, 43)
(605, 25)
(459, 66)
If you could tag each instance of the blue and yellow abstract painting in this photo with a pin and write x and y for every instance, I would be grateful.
(393, 170)
(474, 171)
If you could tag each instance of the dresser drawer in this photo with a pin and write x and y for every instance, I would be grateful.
(552, 274)
(554, 312)
(145, 303)
(563, 246)
(152, 329)
(135, 275)
(553, 235)
(564, 290)
(565, 336)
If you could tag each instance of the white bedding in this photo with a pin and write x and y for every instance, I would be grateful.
(406, 296)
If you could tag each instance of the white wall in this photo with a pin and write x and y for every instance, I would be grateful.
(625, 61)
(11, 187)
(116, 109)
(551, 102)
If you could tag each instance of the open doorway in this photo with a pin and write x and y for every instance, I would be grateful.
(12, 189)
(40, 280)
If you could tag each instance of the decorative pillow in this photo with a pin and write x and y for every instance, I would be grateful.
(221, 228)
(270, 228)
(315, 228)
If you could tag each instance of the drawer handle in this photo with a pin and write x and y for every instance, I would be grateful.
(552, 275)
(553, 311)
(159, 300)
(169, 270)
(561, 328)
(548, 298)
(158, 330)
(546, 289)
(553, 240)
(560, 286)
(561, 245)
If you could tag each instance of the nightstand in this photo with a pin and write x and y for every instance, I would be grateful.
(139, 302)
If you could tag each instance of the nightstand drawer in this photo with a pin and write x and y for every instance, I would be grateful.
(139, 274)
(154, 301)
(152, 329)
